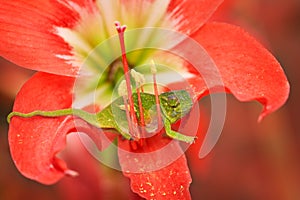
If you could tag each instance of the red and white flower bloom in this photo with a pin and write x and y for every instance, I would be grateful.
(56, 37)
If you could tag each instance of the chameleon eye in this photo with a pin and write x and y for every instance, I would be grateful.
(173, 101)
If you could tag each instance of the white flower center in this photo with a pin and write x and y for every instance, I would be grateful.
(96, 49)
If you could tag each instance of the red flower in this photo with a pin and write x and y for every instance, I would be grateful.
(55, 38)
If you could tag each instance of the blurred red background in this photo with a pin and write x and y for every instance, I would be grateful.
(250, 162)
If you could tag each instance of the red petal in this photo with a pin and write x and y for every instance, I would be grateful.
(93, 182)
(198, 166)
(157, 170)
(35, 141)
(86, 185)
(28, 38)
(248, 70)
(191, 14)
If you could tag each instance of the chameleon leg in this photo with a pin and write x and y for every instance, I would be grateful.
(176, 135)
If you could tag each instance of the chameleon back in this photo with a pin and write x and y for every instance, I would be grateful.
(174, 105)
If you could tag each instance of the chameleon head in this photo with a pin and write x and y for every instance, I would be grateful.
(175, 104)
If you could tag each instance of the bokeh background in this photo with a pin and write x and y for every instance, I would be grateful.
(250, 162)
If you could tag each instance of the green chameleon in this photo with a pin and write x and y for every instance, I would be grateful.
(174, 105)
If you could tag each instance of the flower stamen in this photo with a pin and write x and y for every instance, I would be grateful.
(140, 80)
(123, 92)
(121, 30)
(154, 71)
